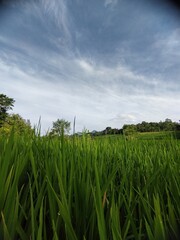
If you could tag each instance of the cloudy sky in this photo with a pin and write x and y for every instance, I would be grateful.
(107, 62)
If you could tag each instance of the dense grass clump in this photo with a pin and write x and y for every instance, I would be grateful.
(84, 188)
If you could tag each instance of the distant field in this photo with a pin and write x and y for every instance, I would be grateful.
(156, 135)
(89, 188)
(145, 136)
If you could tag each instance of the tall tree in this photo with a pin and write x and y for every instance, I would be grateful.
(6, 104)
(60, 126)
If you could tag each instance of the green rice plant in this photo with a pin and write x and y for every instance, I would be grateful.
(99, 207)
(88, 188)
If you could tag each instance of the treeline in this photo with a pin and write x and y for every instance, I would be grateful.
(107, 131)
(127, 129)
(20, 125)
(12, 121)
(167, 125)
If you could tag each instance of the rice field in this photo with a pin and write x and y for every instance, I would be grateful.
(87, 188)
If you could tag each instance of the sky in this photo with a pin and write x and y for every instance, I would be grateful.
(105, 62)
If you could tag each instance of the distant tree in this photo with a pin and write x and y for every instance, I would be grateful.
(60, 126)
(144, 126)
(16, 122)
(129, 130)
(108, 130)
(168, 120)
(177, 127)
(6, 104)
(169, 125)
(85, 131)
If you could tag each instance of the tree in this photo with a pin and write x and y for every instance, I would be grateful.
(19, 124)
(108, 130)
(6, 104)
(130, 131)
(60, 126)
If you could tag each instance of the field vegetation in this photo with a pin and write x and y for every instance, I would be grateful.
(115, 184)
(88, 188)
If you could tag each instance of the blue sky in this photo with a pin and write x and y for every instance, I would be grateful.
(107, 62)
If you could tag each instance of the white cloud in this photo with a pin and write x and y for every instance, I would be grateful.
(97, 95)
(126, 118)
(85, 66)
(169, 44)
(110, 3)
(58, 9)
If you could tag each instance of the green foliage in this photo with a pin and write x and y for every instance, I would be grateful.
(156, 135)
(17, 123)
(167, 125)
(6, 104)
(60, 127)
(107, 131)
(84, 188)
(130, 130)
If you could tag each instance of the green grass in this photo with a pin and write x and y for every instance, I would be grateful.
(144, 135)
(156, 135)
(89, 188)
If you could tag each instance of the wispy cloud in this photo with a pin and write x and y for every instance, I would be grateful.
(58, 10)
(169, 44)
(87, 90)
(110, 75)
(110, 3)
